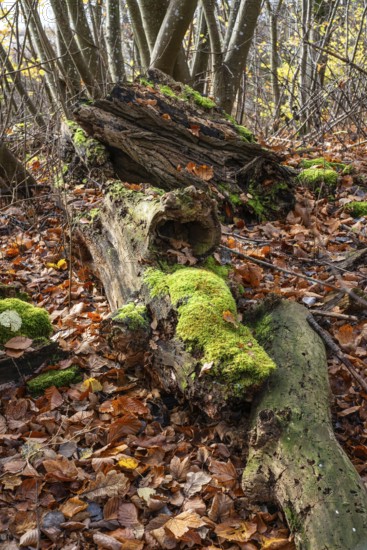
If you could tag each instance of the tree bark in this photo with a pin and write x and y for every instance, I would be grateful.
(295, 459)
(15, 180)
(228, 77)
(113, 41)
(137, 125)
(172, 31)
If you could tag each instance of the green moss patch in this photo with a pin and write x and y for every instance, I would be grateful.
(19, 318)
(94, 151)
(135, 316)
(314, 177)
(244, 132)
(321, 162)
(56, 378)
(356, 208)
(207, 324)
(201, 101)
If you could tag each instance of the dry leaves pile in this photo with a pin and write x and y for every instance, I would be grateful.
(110, 463)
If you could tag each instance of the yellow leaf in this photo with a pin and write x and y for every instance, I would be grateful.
(128, 462)
(62, 264)
(92, 385)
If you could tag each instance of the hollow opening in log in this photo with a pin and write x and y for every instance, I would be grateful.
(194, 233)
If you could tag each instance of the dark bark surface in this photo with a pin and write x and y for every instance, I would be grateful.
(172, 142)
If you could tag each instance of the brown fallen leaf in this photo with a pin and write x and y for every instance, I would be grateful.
(180, 524)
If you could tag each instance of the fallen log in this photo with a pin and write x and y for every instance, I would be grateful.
(181, 323)
(172, 137)
(134, 244)
(295, 460)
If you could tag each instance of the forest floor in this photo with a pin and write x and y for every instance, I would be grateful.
(110, 462)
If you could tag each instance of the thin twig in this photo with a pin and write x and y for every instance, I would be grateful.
(337, 351)
(335, 315)
(271, 266)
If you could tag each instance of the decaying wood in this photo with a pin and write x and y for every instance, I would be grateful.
(173, 144)
(295, 459)
(15, 180)
(135, 230)
(12, 369)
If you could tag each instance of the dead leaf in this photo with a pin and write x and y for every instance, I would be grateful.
(195, 482)
(241, 531)
(106, 485)
(18, 343)
(180, 524)
(72, 506)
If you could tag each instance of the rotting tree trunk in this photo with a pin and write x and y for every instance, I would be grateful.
(138, 235)
(182, 140)
(295, 459)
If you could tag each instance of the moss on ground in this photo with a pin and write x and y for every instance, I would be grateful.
(221, 270)
(356, 208)
(19, 318)
(320, 161)
(135, 316)
(314, 177)
(207, 323)
(56, 378)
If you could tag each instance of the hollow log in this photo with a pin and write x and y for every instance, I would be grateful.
(172, 138)
(295, 459)
(133, 247)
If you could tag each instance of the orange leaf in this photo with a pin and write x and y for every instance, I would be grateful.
(229, 317)
(73, 506)
(204, 172)
(166, 116)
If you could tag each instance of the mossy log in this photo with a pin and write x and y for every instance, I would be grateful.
(181, 324)
(131, 245)
(295, 459)
(172, 137)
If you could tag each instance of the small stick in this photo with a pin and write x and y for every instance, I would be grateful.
(333, 314)
(241, 238)
(267, 264)
(337, 351)
(344, 289)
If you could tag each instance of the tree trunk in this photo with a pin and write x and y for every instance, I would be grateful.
(183, 139)
(15, 180)
(295, 459)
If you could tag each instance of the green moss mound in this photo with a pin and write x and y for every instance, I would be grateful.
(356, 208)
(134, 315)
(204, 302)
(320, 161)
(244, 132)
(314, 177)
(56, 378)
(23, 319)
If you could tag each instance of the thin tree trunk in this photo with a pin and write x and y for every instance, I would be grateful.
(201, 54)
(139, 34)
(172, 31)
(113, 41)
(15, 76)
(228, 78)
(60, 10)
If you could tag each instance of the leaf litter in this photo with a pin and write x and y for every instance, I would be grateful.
(111, 463)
